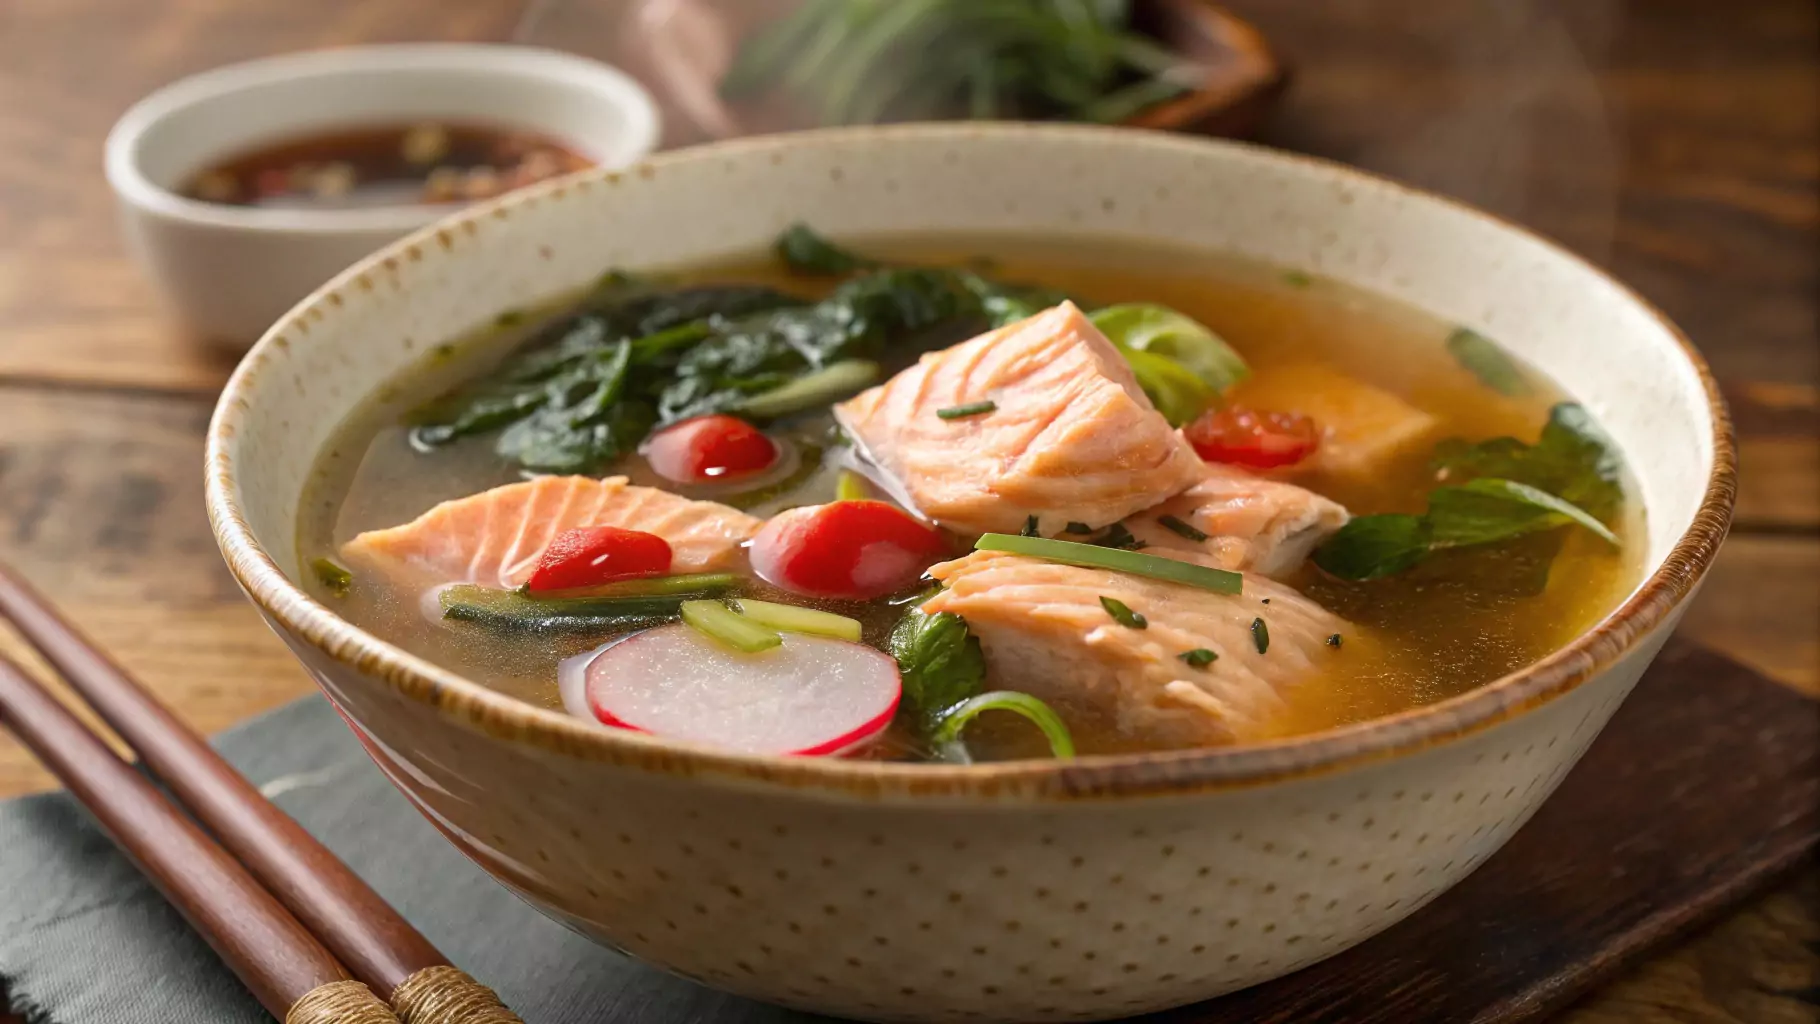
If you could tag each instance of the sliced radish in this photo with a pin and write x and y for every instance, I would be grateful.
(810, 695)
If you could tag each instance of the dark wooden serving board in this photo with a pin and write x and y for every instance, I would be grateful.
(1704, 787)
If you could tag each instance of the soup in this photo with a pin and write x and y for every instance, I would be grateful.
(973, 500)
(385, 165)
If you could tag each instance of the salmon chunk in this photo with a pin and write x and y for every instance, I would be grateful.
(1045, 419)
(1045, 632)
(1364, 427)
(1251, 523)
(496, 537)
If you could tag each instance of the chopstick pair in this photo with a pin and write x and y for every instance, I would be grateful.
(282, 911)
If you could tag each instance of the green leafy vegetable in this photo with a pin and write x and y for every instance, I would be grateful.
(812, 391)
(939, 658)
(961, 412)
(1200, 657)
(1161, 331)
(805, 252)
(862, 61)
(1260, 635)
(948, 728)
(1573, 460)
(334, 577)
(1487, 361)
(1371, 547)
(1180, 528)
(1488, 510)
(1122, 614)
(1173, 388)
(1067, 552)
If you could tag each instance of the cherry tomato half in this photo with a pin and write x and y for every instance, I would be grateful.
(592, 555)
(709, 448)
(1253, 438)
(855, 550)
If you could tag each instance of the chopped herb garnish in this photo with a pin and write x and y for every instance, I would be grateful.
(510, 318)
(334, 577)
(1297, 278)
(1485, 360)
(1334, 640)
(1123, 615)
(1182, 529)
(1030, 528)
(940, 659)
(959, 412)
(1200, 657)
(1266, 600)
(1119, 536)
(1068, 552)
(1260, 635)
(1078, 528)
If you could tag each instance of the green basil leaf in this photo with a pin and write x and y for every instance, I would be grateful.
(1372, 547)
(940, 659)
(1488, 510)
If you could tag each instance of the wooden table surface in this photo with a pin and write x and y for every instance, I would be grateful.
(1676, 142)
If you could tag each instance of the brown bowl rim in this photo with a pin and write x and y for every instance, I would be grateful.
(1097, 777)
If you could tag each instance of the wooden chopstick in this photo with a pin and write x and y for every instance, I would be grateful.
(274, 955)
(378, 945)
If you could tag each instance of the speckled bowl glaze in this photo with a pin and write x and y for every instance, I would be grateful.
(1030, 891)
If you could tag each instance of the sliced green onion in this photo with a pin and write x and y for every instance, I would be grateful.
(830, 383)
(1297, 278)
(794, 619)
(1220, 581)
(1118, 535)
(1260, 635)
(1122, 614)
(1334, 640)
(948, 727)
(696, 584)
(718, 622)
(1182, 528)
(956, 412)
(1200, 657)
(851, 487)
(334, 577)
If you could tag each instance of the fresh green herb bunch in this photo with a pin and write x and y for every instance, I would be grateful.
(870, 61)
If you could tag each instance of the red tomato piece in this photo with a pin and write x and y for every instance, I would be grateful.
(853, 550)
(592, 555)
(709, 448)
(1253, 438)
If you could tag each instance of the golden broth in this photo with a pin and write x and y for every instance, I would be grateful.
(1435, 634)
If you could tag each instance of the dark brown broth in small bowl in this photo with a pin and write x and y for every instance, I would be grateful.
(427, 162)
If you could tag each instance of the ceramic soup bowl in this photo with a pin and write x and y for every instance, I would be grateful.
(1020, 891)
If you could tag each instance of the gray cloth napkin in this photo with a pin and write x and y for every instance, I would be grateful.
(85, 940)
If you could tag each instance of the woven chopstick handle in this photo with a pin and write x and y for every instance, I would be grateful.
(446, 995)
(340, 1002)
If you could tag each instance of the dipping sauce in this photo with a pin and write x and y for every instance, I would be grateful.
(386, 165)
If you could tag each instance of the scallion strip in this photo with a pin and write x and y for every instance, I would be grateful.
(1156, 567)
(958, 412)
(719, 622)
(828, 384)
(948, 727)
(795, 619)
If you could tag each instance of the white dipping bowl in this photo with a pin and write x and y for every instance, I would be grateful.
(228, 272)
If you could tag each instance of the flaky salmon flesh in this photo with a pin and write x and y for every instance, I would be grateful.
(1251, 524)
(496, 537)
(1046, 632)
(1044, 419)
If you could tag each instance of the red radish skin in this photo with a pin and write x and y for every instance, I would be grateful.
(1253, 438)
(851, 550)
(709, 449)
(593, 555)
(812, 696)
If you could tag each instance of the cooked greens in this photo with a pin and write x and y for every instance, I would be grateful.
(1484, 359)
(334, 577)
(1570, 476)
(1146, 330)
(863, 62)
(940, 660)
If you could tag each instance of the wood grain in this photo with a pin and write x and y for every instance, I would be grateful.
(1677, 142)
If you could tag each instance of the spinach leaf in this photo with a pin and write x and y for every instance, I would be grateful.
(940, 659)
(1371, 547)
(1008, 303)
(1489, 509)
(1573, 460)
(805, 252)
(1484, 359)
